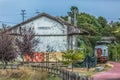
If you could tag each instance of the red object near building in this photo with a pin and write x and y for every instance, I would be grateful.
(37, 57)
(99, 52)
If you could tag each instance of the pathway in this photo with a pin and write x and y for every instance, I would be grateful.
(112, 74)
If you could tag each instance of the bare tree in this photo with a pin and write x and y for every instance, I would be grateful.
(7, 48)
(27, 42)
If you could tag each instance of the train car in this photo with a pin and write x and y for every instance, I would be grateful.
(101, 51)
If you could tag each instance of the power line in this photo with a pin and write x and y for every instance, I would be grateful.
(8, 22)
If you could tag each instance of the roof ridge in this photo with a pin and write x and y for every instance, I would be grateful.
(60, 20)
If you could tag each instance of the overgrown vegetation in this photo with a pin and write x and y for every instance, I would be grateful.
(97, 27)
(26, 41)
(23, 73)
(7, 49)
(72, 56)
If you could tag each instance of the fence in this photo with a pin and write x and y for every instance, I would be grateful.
(62, 73)
(9, 66)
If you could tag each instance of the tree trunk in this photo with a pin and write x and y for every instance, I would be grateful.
(4, 64)
(22, 60)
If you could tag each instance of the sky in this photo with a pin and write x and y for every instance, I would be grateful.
(10, 10)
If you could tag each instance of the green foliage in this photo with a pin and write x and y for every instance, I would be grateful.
(97, 27)
(53, 78)
(87, 18)
(74, 8)
(64, 18)
(111, 51)
(115, 24)
(73, 11)
(118, 52)
(72, 56)
(114, 52)
(89, 23)
(106, 31)
(93, 40)
(116, 32)
(102, 21)
(88, 43)
(90, 28)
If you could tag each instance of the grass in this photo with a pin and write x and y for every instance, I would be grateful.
(91, 71)
(53, 78)
(25, 73)
(22, 74)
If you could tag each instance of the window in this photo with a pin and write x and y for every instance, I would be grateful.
(43, 27)
(104, 52)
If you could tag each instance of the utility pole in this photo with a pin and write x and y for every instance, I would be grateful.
(23, 14)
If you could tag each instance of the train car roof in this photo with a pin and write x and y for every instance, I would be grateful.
(101, 46)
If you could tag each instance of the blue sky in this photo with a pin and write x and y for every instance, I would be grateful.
(10, 9)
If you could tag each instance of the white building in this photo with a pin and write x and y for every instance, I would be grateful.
(53, 32)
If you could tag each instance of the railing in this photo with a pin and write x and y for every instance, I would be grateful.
(9, 66)
(62, 73)
(53, 70)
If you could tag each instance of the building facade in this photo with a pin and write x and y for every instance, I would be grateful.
(53, 33)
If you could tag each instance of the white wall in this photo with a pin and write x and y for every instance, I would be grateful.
(46, 26)
(57, 43)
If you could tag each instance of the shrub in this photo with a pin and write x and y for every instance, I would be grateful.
(71, 56)
(7, 49)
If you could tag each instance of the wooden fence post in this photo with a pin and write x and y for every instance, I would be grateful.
(64, 74)
(78, 78)
(67, 75)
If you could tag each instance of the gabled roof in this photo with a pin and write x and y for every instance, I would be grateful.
(75, 28)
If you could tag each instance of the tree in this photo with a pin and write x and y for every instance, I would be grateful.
(117, 34)
(106, 31)
(97, 27)
(102, 21)
(27, 42)
(89, 23)
(87, 43)
(74, 11)
(116, 31)
(7, 48)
